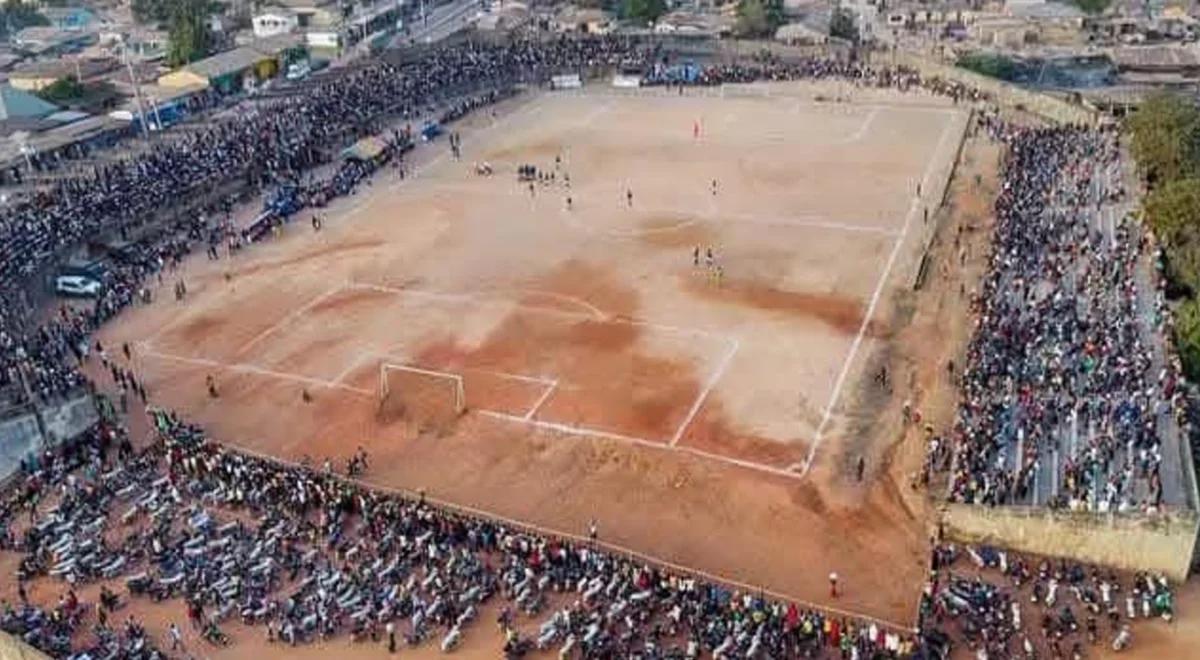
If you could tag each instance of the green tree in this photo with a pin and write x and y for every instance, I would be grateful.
(643, 12)
(16, 16)
(988, 64)
(1172, 208)
(1093, 7)
(63, 89)
(843, 25)
(188, 37)
(157, 12)
(759, 18)
(1187, 337)
(1165, 132)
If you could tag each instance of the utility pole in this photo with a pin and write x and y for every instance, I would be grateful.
(137, 88)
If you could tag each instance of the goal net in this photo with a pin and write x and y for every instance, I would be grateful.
(425, 397)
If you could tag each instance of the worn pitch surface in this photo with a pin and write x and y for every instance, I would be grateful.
(607, 376)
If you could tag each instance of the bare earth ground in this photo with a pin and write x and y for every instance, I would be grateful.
(606, 376)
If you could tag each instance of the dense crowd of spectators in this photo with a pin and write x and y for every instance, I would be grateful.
(1002, 604)
(326, 557)
(1065, 367)
(274, 143)
(375, 565)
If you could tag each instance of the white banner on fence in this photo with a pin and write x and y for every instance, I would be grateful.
(568, 81)
(623, 80)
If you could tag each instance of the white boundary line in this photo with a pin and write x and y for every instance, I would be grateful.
(708, 386)
(542, 399)
(859, 134)
(802, 101)
(710, 215)
(582, 432)
(475, 297)
(292, 316)
(913, 209)
(253, 369)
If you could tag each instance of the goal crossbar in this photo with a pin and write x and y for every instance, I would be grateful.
(455, 381)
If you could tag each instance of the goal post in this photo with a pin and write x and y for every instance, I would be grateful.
(419, 394)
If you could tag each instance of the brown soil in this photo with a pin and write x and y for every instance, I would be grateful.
(634, 369)
(839, 313)
(710, 432)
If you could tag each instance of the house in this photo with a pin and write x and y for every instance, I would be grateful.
(313, 13)
(693, 23)
(32, 76)
(585, 21)
(1159, 63)
(142, 43)
(71, 19)
(922, 14)
(274, 21)
(799, 34)
(19, 104)
(240, 68)
(277, 52)
(48, 40)
(226, 72)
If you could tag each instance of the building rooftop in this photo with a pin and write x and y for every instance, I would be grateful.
(276, 44)
(230, 61)
(16, 103)
(1156, 57)
(63, 67)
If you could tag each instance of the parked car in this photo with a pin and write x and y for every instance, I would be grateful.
(298, 70)
(76, 286)
(92, 270)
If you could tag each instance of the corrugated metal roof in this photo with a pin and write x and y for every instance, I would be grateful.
(221, 64)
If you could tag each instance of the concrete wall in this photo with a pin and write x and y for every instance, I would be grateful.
(18, 436)
(1005, 94)
(70, 419)
(21, 435)
(1161, 543)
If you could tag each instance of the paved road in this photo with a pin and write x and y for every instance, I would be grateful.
(440, 22)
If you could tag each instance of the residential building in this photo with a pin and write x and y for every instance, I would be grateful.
(141, 43)
(19, 104)
(49, 40)
(313, 13)
(32, 76)
(71, 19)
(587, 21)
(238, 69)
(274, 21)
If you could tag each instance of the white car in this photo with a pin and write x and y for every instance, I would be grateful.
(76, 286)
(298, 70)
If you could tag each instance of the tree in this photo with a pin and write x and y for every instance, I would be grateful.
(1165, 134)
(189, 38)
(1187, 337)
(842, 24)
(16, 16)
(156, 12)
(643, 12)
(988, 64)
(759, 18)
(63, 89)
(1172, 208)
(1093, 7)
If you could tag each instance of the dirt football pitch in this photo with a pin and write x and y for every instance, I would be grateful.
(696, 408)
